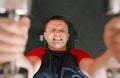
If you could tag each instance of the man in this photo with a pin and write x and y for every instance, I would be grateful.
(57, 60)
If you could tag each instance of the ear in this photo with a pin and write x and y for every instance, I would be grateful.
(44, 35)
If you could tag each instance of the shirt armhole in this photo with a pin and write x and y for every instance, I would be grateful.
(39, 52)
(80, 54)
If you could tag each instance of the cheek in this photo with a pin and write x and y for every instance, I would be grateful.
(66, 37)
(47, 36)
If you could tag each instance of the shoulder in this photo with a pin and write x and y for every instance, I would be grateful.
(38, 49)
(37, 52)
(77, 51)
(80, 54)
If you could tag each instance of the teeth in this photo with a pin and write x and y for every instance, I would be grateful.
(57, 39)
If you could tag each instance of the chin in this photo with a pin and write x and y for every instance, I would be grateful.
(59, 47)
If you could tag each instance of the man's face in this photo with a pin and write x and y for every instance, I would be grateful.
(56, 34)
(112, 37)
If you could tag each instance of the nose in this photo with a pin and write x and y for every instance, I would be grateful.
(57, 32)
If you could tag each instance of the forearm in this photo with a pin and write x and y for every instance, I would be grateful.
(91, 66)
(99, 63)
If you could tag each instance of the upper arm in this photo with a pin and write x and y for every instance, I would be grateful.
(85, 65)
(84, 59)
(36, 62)
(35, 57)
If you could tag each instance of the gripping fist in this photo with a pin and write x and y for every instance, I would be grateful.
(13, 39)
(112, 36)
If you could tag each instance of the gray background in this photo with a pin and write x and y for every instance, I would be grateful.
(87, 16)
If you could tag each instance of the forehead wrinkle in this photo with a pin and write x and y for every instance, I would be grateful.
(59, 25)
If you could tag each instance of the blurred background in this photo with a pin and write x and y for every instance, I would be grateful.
(87, 16)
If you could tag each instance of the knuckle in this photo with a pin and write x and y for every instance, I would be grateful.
(17, 49)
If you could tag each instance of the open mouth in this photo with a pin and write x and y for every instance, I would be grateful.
(57, 39)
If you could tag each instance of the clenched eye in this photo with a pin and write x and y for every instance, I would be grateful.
(62, 30)
(52, 30)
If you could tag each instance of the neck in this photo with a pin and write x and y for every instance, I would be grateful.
(58, 49)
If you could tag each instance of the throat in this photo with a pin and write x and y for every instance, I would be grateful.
(59, 55)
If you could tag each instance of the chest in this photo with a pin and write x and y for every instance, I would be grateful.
(59, 66)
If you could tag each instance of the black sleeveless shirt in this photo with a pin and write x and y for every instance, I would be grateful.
(59, 65)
